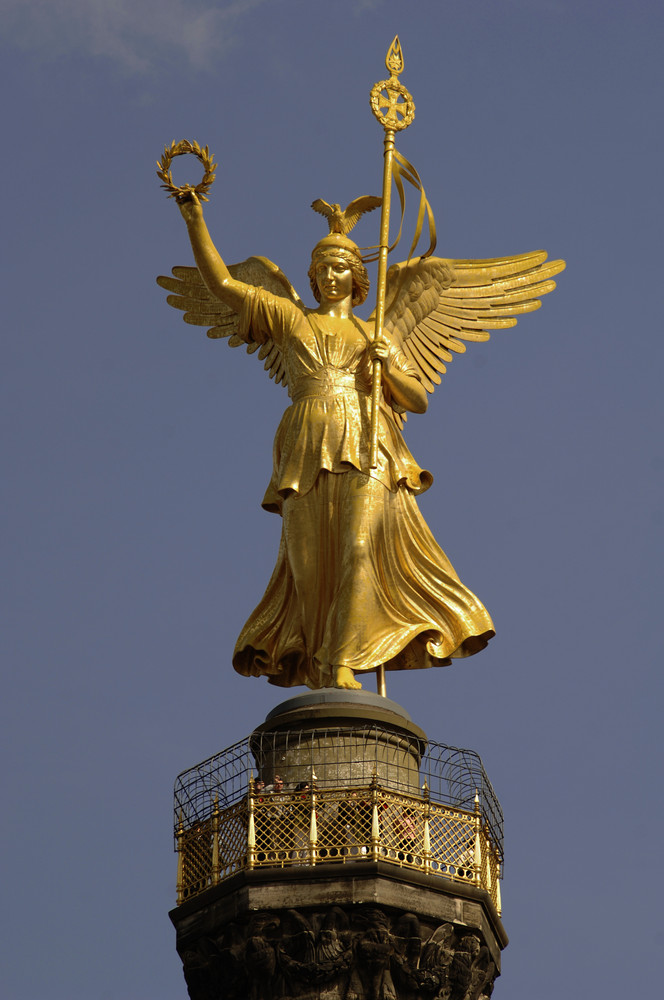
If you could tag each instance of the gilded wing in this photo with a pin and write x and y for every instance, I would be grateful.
(434, 305)
(359, 207)
(202, 308)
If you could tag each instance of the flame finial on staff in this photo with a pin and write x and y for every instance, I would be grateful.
(394, 108)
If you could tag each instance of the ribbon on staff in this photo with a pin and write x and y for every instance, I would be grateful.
(403, 170)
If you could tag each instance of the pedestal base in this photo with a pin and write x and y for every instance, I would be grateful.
(318, 934)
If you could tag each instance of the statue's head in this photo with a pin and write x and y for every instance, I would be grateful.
(339, 246)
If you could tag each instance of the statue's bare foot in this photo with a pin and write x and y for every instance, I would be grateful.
(345, 678)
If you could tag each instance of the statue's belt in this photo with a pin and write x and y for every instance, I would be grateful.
(330, 382)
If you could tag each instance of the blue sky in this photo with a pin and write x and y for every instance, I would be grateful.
(137, 451)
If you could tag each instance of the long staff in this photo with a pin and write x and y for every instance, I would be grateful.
(393, 107)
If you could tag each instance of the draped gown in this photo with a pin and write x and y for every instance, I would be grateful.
(359, 579)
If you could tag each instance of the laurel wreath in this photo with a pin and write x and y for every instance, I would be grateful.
(165, 175)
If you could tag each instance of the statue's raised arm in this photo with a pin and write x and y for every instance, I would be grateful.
(213, 294)
(218, 279)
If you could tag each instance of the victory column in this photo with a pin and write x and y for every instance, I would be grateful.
(337, 852)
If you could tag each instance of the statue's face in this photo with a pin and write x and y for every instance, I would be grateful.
(334, 278)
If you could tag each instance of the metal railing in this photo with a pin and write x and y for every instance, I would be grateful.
(337, 826)
(453, 776)
(443, 818)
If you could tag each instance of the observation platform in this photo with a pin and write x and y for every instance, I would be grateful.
(339, 779)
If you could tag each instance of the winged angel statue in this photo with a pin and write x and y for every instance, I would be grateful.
(360, 581)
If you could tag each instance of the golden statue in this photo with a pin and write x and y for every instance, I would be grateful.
(360, 583)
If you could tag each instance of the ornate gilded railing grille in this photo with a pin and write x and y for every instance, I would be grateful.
(195, 860)
(337, 825)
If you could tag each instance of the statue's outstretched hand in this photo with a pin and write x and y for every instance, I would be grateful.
(190, 207)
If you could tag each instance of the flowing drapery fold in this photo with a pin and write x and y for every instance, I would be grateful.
(359, 581)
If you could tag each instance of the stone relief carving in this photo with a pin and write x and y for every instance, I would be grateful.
(341, 954)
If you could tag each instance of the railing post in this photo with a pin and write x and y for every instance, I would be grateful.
(477, 856)
(313, 826)
(251, 825)
(179, 886)
(426, 837)
(216, 867)
(375, 825)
